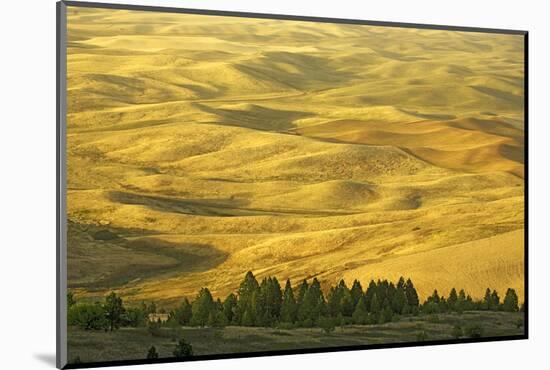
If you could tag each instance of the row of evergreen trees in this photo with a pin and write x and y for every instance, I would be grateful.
(266, 304)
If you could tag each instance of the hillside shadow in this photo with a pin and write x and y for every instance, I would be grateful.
(177, 258)
(256, 117)
(202, 207)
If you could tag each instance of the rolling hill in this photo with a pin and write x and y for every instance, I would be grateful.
(201, 147)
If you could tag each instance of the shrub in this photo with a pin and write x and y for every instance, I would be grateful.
(183, 349)
(152, 354)
(87, 316)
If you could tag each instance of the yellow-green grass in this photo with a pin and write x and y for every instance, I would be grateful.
(134, 343)
(210, 146)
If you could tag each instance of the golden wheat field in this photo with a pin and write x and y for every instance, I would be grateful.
(201, 147)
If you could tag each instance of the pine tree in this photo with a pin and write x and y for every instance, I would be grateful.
(371, 290)
(399, 301)
(312, 304)
(386, 315)
(248, 287)
(360, 313)
(391, 292)
(346, 302)
(113, 310)
(201, 308)
(375, 305)
(182, 314)
(333, 301)
(412, 295)
(435, 297)
(453, 298)
(247, 319)
(302, 292)
(289, 307)
(230, 307)
(461, 304)
(269, 301)
(510, 303)
(356, 292)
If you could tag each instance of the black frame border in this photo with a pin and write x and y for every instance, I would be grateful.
(61, 337)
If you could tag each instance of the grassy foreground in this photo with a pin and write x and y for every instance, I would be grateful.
(133, 343)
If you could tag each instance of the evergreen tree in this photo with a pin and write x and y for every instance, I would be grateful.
(114, 311)
(360, 313)
(248, 288)
(183, 349)
(382, 290)
(346, 302)
(247, 319)
(356, 292)
(510, 303)
(434, 297)
(461, 304)
(391, 292)
(152, 353)
(211, 321)
(333, 302)
(312, 305)
(412, 295)
(432, 304)
(182, 314)
(269, 301)
(375, 305)
(371, 290)
(201, 308)
(230, 307)
(386, 315)
(302, 292)
(399, 301)
(289, 307)
(453, 298)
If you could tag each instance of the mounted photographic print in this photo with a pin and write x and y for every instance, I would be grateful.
(235, 184)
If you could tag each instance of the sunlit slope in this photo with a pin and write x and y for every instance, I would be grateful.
(469, 144)
(203, 147)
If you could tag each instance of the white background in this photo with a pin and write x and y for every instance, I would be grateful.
(27, 181)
